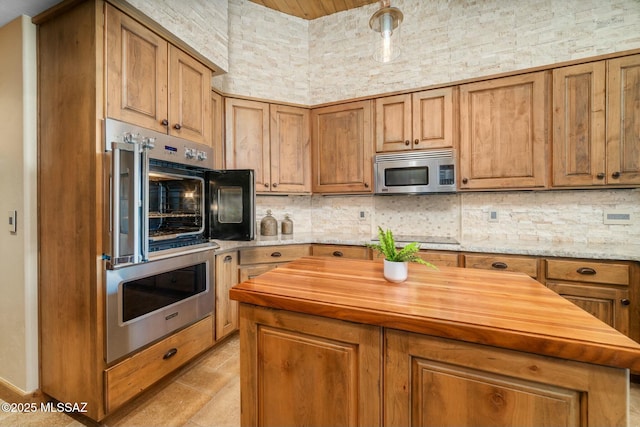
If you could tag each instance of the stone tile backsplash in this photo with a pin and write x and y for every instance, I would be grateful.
(525, 217)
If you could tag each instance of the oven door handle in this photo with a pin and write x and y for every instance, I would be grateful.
(133, 247)
(144, 217)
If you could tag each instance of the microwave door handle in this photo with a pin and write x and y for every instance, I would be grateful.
(144, 217)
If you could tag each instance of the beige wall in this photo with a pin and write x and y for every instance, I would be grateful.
(18, 174)
(278, 57)
(202, 24)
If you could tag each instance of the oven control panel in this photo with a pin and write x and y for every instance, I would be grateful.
(160, 146)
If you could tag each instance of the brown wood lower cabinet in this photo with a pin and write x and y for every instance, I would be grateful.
(301, 369)
(226, 312)
(432, 381)
(308, 370)
(341, 251)
(257, 260)
(441, 259)
(500, 262)
(135, 374)
(600, 288)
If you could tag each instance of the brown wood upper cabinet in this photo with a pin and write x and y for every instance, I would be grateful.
(271, 139)
(415, 121)
(594, 116)
(342, 148)
(153, 84)
(503, 132)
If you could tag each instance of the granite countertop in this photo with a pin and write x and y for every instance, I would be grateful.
(513, 247)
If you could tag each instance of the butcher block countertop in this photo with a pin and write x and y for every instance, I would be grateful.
(502, 309)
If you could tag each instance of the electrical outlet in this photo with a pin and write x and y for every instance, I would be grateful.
(363, 215)
(616, 217)
(493, 216)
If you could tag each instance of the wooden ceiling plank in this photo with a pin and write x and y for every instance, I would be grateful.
(312, 9)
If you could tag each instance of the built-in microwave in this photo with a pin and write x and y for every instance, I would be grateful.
(418, 172)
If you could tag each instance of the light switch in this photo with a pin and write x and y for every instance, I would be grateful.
(12, 221)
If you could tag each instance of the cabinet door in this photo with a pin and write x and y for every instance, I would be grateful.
(189, 98)
(503, 133)
(217, 130)
(611, 305)
(299, 370)
(623, 122)
(393, 123)
(247, 139)
(342, 148)
(579, 125)
(433, 112)
(432, 381)
(290, 149)
(226, 309)
(136, 72)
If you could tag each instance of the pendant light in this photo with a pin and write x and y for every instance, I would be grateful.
(386, 23)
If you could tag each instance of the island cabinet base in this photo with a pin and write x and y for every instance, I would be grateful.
(306, 370)
(431, 381)
(301, 369)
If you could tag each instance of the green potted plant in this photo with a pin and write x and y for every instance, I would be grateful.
(396, 261)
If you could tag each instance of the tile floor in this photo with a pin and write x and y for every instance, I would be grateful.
(206, 393)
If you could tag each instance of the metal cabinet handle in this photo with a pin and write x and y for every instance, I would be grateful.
(169, 354)
(416, 141)
(601, 175)
(276, 254)
(228, 258)
(366, 185)
(274, 185)
(337, 253)
(625, 301)
(177, 126)
(465, 180)
(587, 271)
(407, 142)
(615, 175)
(164, 122)
(266, 185)
(499, 265)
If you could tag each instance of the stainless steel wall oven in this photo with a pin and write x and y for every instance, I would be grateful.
(166, 204)
(149, 300)
(165, 195)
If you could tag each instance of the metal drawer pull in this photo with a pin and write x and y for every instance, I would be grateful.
(228, 258)
(625, 301)
(276, 254)
(169, 354)
(499, 265)
(337, 253)
(588, 271)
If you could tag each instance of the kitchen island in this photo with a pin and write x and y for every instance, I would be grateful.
(330, 342)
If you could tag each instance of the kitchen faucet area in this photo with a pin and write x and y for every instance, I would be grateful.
(204, 202)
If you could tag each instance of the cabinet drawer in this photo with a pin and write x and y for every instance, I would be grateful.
(440, 259)
(131, 376)
(341, 251)
(278, 254)
(588, 271)
(519, 264)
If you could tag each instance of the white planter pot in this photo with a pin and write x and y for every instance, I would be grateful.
(395, 272)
